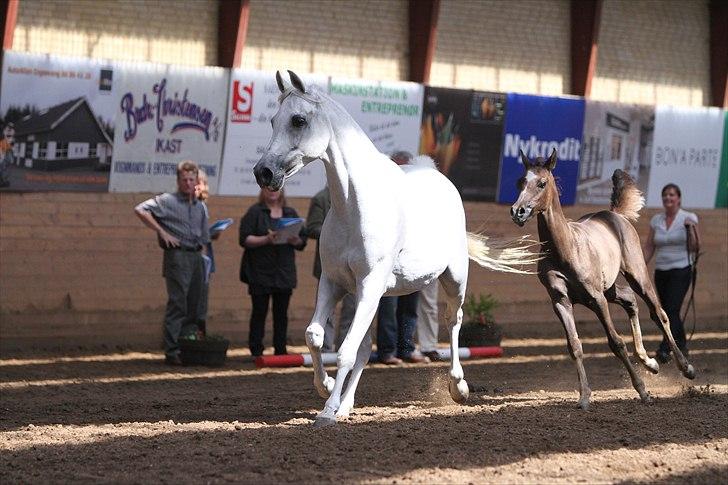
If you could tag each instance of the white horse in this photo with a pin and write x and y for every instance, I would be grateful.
(391, 230)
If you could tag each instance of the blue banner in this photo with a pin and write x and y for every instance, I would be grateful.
(537, 125)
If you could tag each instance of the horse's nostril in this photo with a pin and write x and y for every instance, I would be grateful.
(266, 176)
(521, 211)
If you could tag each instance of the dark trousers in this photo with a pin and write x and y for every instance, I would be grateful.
(396, 325)
(280, 321)
(184, 275)
(672, 286)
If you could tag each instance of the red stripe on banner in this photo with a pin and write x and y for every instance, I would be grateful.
(291, 360)
(495, 351)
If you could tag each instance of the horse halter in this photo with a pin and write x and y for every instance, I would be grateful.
(296, 92)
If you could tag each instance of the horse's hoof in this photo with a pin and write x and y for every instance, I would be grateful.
(652, 365)
(324, 422)
(344, 411)
(583, 404)
(459, 392)
(324, 389)
(689, 372)
(646, 398)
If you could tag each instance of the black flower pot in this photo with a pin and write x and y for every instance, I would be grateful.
(207, 352)
(476, 334)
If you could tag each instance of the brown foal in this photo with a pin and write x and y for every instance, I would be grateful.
(582, 259)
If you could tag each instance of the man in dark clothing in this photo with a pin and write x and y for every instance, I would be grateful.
(180, 221)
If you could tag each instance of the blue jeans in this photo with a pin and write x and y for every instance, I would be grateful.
(396, 325)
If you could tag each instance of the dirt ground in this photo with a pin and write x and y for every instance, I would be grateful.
(126, 417)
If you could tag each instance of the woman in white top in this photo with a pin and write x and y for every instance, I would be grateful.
(670, 232)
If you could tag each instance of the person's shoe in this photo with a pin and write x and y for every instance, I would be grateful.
(417, 359)
(173, 360)
(391, 360)
(662, 357)
(433, 355)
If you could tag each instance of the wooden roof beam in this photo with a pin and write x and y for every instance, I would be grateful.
(718, 11)
(423, 15)
(585, 20)
(232, 23)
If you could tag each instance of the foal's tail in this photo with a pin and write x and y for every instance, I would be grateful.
(506, 256)
(627, 199)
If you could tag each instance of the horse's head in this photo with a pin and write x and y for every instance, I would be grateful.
(301, 133)
(537, 188)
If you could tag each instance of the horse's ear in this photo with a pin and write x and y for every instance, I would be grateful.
(525, 160)
(281, 83)
(297, 83)
(551, 162)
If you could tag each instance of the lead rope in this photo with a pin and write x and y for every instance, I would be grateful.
(693, 260)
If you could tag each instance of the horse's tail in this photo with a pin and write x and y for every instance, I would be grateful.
(506, 256)
(423, 161)
(627, 199)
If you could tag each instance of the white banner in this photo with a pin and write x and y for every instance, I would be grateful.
(253, 101)
(389, 112)
(687, 147)
(167, 114)
(57, 117)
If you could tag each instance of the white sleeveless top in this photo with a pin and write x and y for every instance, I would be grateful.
(671, 244)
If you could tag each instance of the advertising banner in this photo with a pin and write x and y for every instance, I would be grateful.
(537, 125)
(166, 114)
(687, 148)
(389, 112)
(721, 198)
(462, 131)
(57, 117)
(616, 136)
(253, 101)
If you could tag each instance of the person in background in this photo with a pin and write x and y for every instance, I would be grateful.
(428, 324)
(397, 317)
(202, 192)
(673, 236)
(268, 269)
(320, 205)
(180, 221)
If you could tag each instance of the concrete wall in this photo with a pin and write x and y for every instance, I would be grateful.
(81, 269)
(651, 51)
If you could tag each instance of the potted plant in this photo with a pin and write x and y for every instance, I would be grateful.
(200, 349)
(480, 329)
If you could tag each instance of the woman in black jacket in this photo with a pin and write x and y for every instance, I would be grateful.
(269, 269)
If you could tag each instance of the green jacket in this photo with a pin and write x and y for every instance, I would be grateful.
(320, 205)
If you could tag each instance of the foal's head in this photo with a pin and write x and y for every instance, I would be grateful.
(537, 187)
(301, 133)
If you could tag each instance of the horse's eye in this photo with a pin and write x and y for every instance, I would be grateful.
(542, 184)
(298, 121)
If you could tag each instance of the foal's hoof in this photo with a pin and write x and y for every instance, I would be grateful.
(324, 422)
(689, 372)
(646, 398)
(652, 365)
(459, 392)
(583, 404)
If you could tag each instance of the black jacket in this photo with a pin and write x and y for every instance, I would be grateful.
(270, 266)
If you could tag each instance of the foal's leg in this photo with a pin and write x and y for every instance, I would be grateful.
(328, 295)
(624, 296)
(369, 291)
(565, 312)
(639, 279)
(600, 307)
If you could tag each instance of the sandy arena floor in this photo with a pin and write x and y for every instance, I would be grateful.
(128, 418)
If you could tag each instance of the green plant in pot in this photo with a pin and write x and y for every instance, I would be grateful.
(199, 349)
(479, 328)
